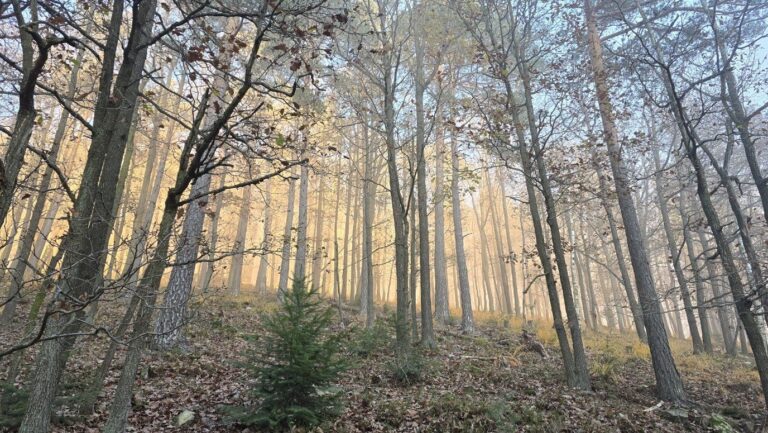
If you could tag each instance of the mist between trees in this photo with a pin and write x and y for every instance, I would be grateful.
(596, 166)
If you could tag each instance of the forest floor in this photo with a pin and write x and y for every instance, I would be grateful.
(487, 382)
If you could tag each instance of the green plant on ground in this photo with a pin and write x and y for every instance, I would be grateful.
(295, 364)
(13, 404)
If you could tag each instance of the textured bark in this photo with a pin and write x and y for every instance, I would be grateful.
(124, 183)
(674, 257)
(173, 314)
(637, 314)
(170, 323)
(88, 232)
(261, 275)
(669, 386)
(467, 318)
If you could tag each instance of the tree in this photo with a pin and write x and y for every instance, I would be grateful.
(669, 386)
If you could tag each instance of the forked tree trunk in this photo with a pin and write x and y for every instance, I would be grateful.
(89, 232)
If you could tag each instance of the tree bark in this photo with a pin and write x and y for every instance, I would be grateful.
(236, 269)
(669, 386)
(88, 231)
(467, 318)
(674, 257)
(261, 275)
(300, 264)
(637, 314)
(285, 260)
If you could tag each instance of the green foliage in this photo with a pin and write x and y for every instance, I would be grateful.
(408, 368)
(295, 364)
(13, 404)
(369, 341)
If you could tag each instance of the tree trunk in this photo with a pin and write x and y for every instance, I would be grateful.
(500, 255)
(674, 257)
(317, 249)
(511, 256)
(442, 310)
(467, 318)
(88, 232)
(669, 386)
(285, 254)
(692, 258)
(367, 311)
(236, 270)
(28, 238)
(637, 314)
(261, 276)
(300, 265)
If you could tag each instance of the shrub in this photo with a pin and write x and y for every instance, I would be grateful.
(295, 365)
(13, 405)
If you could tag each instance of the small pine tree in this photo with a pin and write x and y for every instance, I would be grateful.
(296, 364)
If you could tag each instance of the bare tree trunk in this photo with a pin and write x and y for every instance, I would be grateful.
(637, 314)
(511, 256)
(467, 318)
(317, 249)
(207, 268)
(692, 258)
(89, 231)
(28, 238)
(593, 309)
(674, 257)
(366, 275)
(442, 311)
(500, 256)
(669, 386)
(261, 276)
(348, 214)
(236, 270)
(285, 254)
(150, 190)
(300, 265)
(579, 272)
(414, 267)
(170, 323)
(31, 68)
